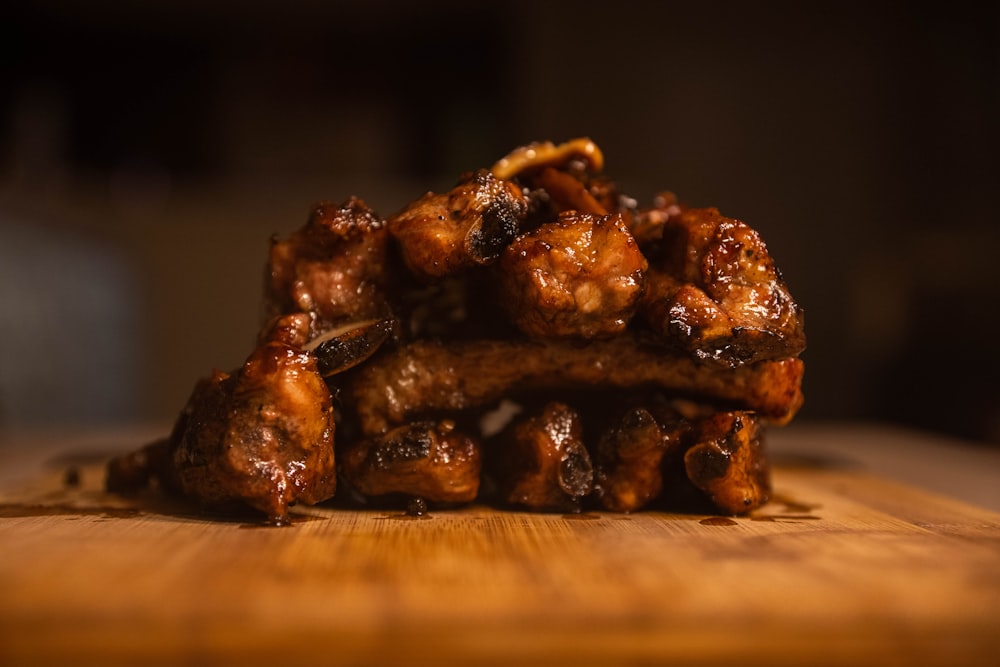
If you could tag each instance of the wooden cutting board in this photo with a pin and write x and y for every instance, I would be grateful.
(843, 567)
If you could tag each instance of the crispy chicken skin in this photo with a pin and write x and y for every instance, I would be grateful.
(581, 275)
(470, 225)
(262, 435)
(716, 293)
(541, 463)
(427, 377)
(428, 460)
(334, 267)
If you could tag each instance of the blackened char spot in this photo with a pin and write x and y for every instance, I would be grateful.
(499, 227)
(408, 444)
(706, 464)
(343, 352)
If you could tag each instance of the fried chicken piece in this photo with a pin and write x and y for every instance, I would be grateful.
(717, 294)
(581, 275)
(334, 267)
(262, 435)
(628, 461)
(426, 376)
(427, 460)
(470, 225)
(728, 461)
(541, 463)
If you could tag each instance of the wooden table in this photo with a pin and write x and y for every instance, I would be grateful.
(848, 565)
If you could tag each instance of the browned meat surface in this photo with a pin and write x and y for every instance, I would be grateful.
(581, 275)
(427, 377)
(262, 435)
(427, 460)
(536, 285)
(334, 267)
(728, 461)
(717, 294)
(541, 463)
(696, 459)
(470, 225)
(628, 461)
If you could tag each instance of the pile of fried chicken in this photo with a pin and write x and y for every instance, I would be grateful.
(531, 339)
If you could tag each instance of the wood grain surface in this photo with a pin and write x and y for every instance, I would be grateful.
(843, 567)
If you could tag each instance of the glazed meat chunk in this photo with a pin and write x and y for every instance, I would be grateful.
(580, 276)
(628, 461)
(427, 460)
(717, 294)
(470, 225)
(728, 461)
(541, 463)
(261, 435)
(333, 268)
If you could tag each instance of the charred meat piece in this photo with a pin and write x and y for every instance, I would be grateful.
(428, 460)
(581, 275)
(333, 268)
(728, 461)
(262, 435)
(628, 461)
(426, 377)
(541, 463)
(470, 225)
(717, 294)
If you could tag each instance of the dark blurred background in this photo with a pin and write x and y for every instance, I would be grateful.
(149, 150)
